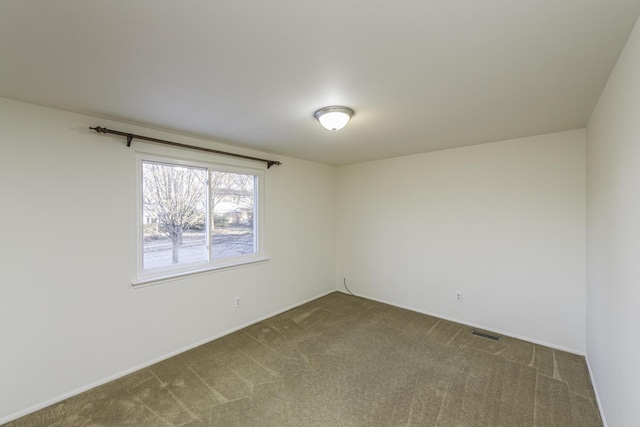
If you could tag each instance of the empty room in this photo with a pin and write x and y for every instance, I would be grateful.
(294, 213)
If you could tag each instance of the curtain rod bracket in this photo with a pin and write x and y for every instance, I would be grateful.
(130, 137)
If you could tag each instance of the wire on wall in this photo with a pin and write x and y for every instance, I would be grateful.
(346, 287)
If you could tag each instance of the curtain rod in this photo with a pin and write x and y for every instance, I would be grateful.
(130, 137)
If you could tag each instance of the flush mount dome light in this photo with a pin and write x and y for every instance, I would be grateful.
(334, 118)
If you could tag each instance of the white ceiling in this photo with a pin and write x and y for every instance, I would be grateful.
(420, 75)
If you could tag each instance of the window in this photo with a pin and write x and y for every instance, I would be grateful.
(196, 217)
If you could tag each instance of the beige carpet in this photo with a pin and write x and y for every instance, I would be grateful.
(344, 361)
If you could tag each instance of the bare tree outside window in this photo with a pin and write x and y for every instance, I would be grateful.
(195, 216)
(174, 204)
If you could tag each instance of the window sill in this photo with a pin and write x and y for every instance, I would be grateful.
(170, 277)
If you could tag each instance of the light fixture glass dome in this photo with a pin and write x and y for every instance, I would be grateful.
(334, 118)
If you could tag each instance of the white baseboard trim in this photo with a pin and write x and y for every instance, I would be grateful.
(595, 391)
(77, 391)
(473, 325)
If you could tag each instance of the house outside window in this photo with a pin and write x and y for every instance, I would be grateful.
(196, 216)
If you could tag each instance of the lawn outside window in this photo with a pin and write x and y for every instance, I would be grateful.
(195, 217)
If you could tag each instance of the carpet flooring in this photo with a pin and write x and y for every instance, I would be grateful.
(344, 361)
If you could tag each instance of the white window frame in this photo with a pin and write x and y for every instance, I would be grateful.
(170, 273)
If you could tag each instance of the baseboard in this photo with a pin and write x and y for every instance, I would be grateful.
(595, 391)
(473, 325)
(149, 363)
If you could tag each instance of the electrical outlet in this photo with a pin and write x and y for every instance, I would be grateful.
(459, 296)
(237, 302)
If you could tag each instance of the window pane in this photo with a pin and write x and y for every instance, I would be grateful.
(233, 212)
(174, 215)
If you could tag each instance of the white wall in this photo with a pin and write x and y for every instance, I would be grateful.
(502, 222)
(68, 314)
(613, 240)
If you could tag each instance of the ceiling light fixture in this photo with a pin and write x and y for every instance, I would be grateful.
(334, 118)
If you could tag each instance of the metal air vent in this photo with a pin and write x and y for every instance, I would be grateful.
(485, 335)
